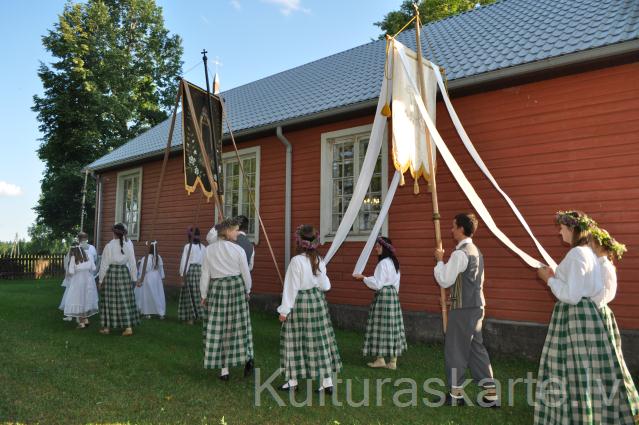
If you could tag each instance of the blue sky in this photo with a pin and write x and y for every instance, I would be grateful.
(251, 38)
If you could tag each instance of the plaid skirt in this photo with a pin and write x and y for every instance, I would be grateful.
(308, 348)
(630, 389)
(228, 338)
(189, 307)
(385, 334)
(580, 380)
(117, 300)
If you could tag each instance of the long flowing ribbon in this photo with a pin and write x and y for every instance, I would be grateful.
(365, 176)
(458, 174)
(370, 243)
(480, 163)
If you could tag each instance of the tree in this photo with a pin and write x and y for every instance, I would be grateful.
(113, 76)
(429, 11)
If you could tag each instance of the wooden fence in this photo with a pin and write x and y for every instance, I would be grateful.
(31, 266)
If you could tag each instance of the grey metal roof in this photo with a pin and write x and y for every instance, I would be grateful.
(496, 37)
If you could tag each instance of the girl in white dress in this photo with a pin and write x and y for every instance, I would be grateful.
(82, 296)
(65, 282)
(149, 294)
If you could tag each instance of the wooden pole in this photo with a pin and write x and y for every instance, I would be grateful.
(84, 198)
(431, 166)
(158, 192)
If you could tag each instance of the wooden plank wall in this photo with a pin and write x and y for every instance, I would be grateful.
(569, 142)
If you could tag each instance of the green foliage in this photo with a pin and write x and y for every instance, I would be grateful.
(113, 76)
(429, 11)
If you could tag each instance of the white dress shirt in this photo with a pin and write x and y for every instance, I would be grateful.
(609, 277)
(446, 274)
(222, 259)
(112, 254)
(385, 275)
(195, 257)
(577, 276)
(300, 277)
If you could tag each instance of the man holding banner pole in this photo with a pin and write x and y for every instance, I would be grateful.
(463, 346)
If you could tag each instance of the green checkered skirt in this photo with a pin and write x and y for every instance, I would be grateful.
(189, 307)
(580, 380)
(613, 332)
(117, 300)
(385, 334)
(228, 338)
(308, 348)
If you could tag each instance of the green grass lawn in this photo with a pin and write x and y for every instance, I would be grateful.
(53, 373)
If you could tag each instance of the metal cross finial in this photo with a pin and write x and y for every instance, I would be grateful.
(204, 52)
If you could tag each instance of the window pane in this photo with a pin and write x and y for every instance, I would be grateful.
(239, 198)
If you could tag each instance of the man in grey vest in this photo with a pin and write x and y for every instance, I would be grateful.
(244, 241)
(464, 347)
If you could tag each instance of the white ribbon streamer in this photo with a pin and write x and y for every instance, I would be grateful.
(461, 179)
(480, 163)
(372, 238)
(365, 175)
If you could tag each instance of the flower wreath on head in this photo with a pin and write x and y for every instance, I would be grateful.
(306, 244)
(386, 245)
(603, 238)
(568, 219)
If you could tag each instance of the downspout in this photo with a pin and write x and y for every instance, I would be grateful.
(287, 195)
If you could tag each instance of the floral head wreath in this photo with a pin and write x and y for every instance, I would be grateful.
(575, 221)
(304, 243)
(386, 245)
(603, 238)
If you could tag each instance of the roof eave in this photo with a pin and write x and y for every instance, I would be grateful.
(584, 56)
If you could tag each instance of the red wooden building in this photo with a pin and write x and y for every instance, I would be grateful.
(547, 91)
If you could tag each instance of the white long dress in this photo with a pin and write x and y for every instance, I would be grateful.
(65, 284)
(150, 296)
(82, 292)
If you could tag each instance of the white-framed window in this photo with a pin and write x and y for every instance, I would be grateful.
(128, 200)
(237, 194)
(343, 153)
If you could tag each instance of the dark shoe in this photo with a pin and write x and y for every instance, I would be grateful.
(489, 404)
(286, 388)
(451, 401)
(248, 367)
(225, 378)
(325, 390)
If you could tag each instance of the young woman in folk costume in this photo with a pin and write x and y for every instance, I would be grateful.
(65, 281)
(385, 335)
(82, 296)
(225, 286)
(580, 380)
(149, 294)
(606, 248)
(189, 307)
(117, 271)
(308, 348)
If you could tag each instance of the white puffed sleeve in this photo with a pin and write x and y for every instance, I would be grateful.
(384, 275)
(323, 280)
(244, 268)
(205, 278)
(568, 283)
(105, 262)
(161, 267)
(292, 282)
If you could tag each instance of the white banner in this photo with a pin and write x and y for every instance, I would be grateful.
(458, 174)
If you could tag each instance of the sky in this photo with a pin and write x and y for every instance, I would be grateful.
(251, 39)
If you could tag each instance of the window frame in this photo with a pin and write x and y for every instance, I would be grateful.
(244, 152)
(326, 185)
(119, 199)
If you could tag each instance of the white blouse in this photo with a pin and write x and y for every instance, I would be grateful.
(88, 266)
(149, 266)
(577, 276)
(385, 275)
(195, 257)
(300, 277)
(609, 277)
(112, 255)
(222, 259)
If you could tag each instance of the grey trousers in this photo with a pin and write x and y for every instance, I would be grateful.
(464, 348)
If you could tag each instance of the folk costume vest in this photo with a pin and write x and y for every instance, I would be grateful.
(467, 292)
